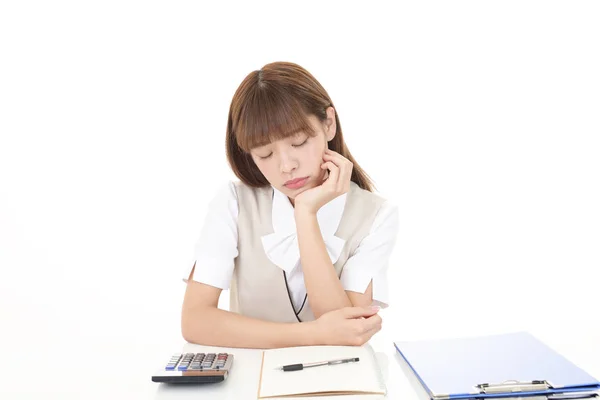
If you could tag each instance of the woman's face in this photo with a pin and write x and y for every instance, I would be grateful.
(293, 165)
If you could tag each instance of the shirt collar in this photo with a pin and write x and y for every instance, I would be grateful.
(328, 216)
(281, 246)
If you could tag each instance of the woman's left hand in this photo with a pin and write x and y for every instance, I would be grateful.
(336, 183)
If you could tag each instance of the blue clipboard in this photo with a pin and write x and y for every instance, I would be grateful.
(496, 366)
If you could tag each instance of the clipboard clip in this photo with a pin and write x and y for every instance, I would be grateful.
(511, 386)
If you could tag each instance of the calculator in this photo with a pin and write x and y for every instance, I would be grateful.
(195, 368)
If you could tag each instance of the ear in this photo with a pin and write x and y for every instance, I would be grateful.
(329, 124)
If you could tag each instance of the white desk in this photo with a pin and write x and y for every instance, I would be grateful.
(581, 347)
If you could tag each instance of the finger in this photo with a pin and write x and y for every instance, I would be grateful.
(345, 179)
(336, 157)
(334, 173)
(365, 337)
(345, 167)
(371, 322)
(332, 152)
(357, 312)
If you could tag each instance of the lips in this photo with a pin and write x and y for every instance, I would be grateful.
(294, 181)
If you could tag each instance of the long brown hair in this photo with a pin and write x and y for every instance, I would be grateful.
(274, 103)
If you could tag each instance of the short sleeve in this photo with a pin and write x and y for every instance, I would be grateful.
(216, 248)
(371, 259)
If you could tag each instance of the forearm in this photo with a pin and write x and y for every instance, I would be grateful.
(323, 286)
(214, 327)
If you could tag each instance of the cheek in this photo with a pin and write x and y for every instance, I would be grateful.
(266, 168)
(315, 156)
(310, 160)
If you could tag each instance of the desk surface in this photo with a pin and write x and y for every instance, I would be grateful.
(580, 347)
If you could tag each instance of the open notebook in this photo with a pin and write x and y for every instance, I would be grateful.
(362, 377)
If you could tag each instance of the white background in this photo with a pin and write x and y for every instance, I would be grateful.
(481, 120)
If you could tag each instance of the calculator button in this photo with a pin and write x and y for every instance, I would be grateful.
(173, 362)
(197, 361)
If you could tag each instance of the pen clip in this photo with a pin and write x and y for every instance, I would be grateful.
(343, 361)
(513, 386)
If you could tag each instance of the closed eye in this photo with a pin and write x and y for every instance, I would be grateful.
(265, 157)
(301, 144)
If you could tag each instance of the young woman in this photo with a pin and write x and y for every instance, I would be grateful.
(300, 240)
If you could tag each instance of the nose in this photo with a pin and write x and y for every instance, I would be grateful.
(287, 162)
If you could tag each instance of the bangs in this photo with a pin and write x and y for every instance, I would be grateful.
(266, 115)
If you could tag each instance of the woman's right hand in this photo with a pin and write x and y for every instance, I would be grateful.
(349, 326)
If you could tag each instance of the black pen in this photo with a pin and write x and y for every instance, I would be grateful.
(298, 367)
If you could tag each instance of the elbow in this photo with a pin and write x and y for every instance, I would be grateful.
(187, 334)
(186, 329)
(190, 329)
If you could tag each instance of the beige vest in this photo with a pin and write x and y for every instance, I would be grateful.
(258, 287)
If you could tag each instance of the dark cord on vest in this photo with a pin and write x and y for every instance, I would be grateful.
(290, 297)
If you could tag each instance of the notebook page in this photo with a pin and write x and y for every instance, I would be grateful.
(355, 377)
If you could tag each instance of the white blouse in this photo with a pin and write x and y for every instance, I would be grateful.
(216, 248)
